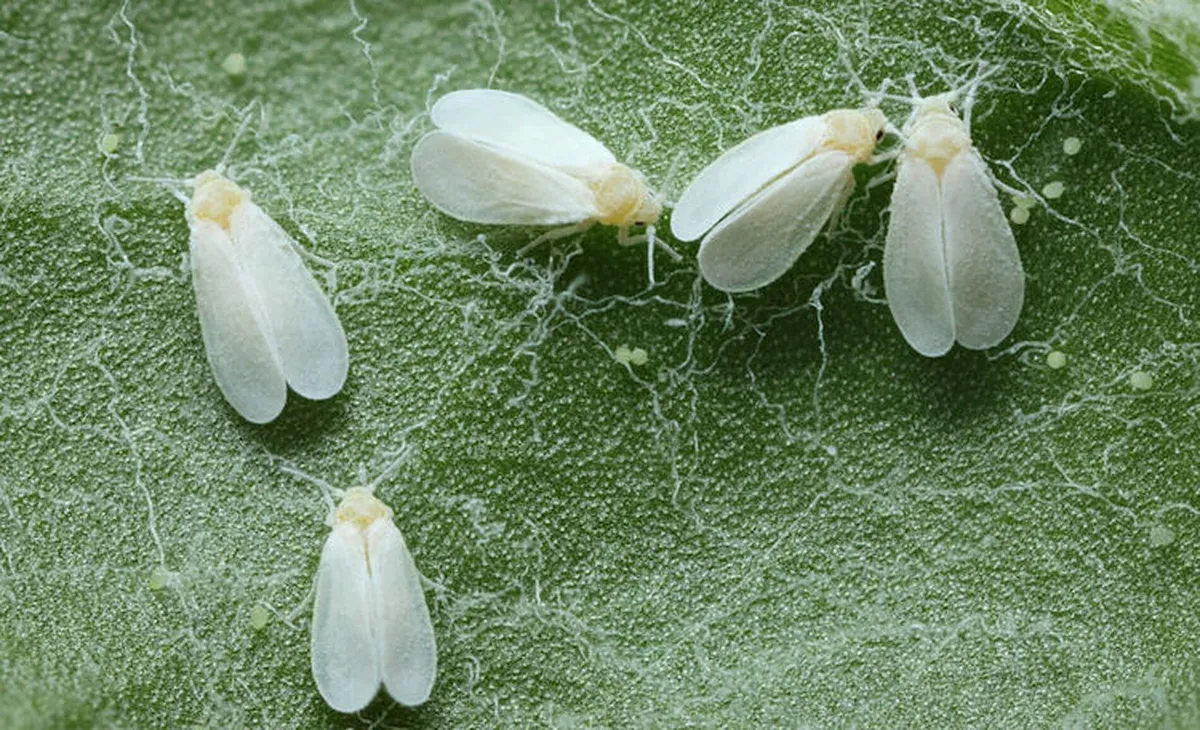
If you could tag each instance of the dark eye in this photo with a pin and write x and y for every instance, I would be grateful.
(879, 135)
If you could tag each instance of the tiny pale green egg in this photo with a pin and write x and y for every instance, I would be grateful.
(259, 616)
(1141, 380)
(1161, 536)
(158, 578)
(234, 64)
(1021, 200)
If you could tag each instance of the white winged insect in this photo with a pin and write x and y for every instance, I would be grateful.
(370, 622)
(498, 157)
(951, 270)
(765, 200)
(265, 322)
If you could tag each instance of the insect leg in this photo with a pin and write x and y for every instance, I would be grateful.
(554, 234)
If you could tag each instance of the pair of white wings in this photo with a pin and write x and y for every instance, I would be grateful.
(370, 622)
(499, 157)
(765, 201)
(951, 268)
(266, 324)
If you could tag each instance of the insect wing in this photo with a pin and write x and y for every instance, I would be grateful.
(344, 658)
(914, 262)
(519, 126)
(741, 172)
(760, 241)
(404, 631)
(477, 183)
(233, 327)
(987, 283)
(307, 335)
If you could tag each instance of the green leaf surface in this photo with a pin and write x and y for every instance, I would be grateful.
(784, 518)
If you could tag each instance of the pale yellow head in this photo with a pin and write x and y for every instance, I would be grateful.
(624, 198)
(361, 508)
(214, 197)
(936, 134)
(853, 131)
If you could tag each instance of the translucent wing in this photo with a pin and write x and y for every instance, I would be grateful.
(987, 284)
(914, 268)
(232, 325)
(404, 632)
(741, 172)
(761, 240)
(520, 126)
(344, 662)
(307, 335)
(477, 183)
